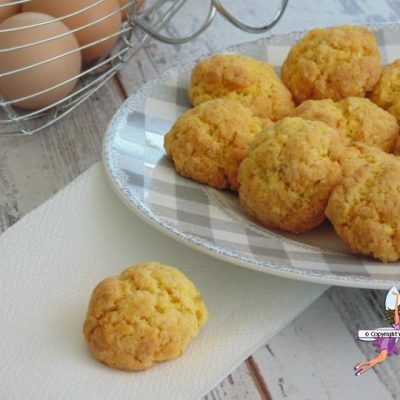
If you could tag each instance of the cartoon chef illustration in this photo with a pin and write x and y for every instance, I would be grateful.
(385, 345)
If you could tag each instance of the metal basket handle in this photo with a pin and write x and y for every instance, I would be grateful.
(138, 20)
(215, 6)
(248, 28)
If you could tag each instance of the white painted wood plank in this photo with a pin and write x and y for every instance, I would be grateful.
(364, 309)
(33, 168)
(313, 358)
(238, 386)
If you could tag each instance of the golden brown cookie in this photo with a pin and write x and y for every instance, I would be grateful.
(289, 174)
(359, 155)
(148, 313)
(396, 150)
(208, 142)
(386, 93)
(252, 82)
(365, 209)
(357, 119)
(333, 63)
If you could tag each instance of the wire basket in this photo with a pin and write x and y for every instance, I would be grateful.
(147, 22)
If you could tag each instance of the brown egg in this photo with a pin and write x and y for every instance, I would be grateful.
(40, 77)
(106, 10)
(7, 11)
(138, 5)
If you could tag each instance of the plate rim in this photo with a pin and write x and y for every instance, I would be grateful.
(135, 205)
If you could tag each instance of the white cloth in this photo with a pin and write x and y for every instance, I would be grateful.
(52, 259)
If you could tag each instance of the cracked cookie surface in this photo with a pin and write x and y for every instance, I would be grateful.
(148, 313)
(359, 156)
(386, 93)
(365, 209)
(208, 142)
(289, 174)
(251, 82)
(333, 63)
(357, 119)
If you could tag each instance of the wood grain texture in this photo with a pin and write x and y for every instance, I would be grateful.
(313, 357)
(34, 168)
(238, 386)
(364, 309)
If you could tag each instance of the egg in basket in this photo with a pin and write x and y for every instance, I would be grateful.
(54, 55)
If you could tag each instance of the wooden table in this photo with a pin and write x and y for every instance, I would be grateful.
(313, 357)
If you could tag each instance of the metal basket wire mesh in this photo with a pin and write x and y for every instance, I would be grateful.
(148, 23)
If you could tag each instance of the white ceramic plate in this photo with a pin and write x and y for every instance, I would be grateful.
(210, 220)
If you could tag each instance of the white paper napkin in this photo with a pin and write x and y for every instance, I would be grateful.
(51, 260)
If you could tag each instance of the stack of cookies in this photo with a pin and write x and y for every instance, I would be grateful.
(320, 141)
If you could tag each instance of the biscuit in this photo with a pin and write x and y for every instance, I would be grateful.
(148, 313)
(365, 209)
(396, 150)
(333, 63)
(208, 142)
(252, 82)
(289, 174)
(359, 156)
(386, 93)
(357, 119)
